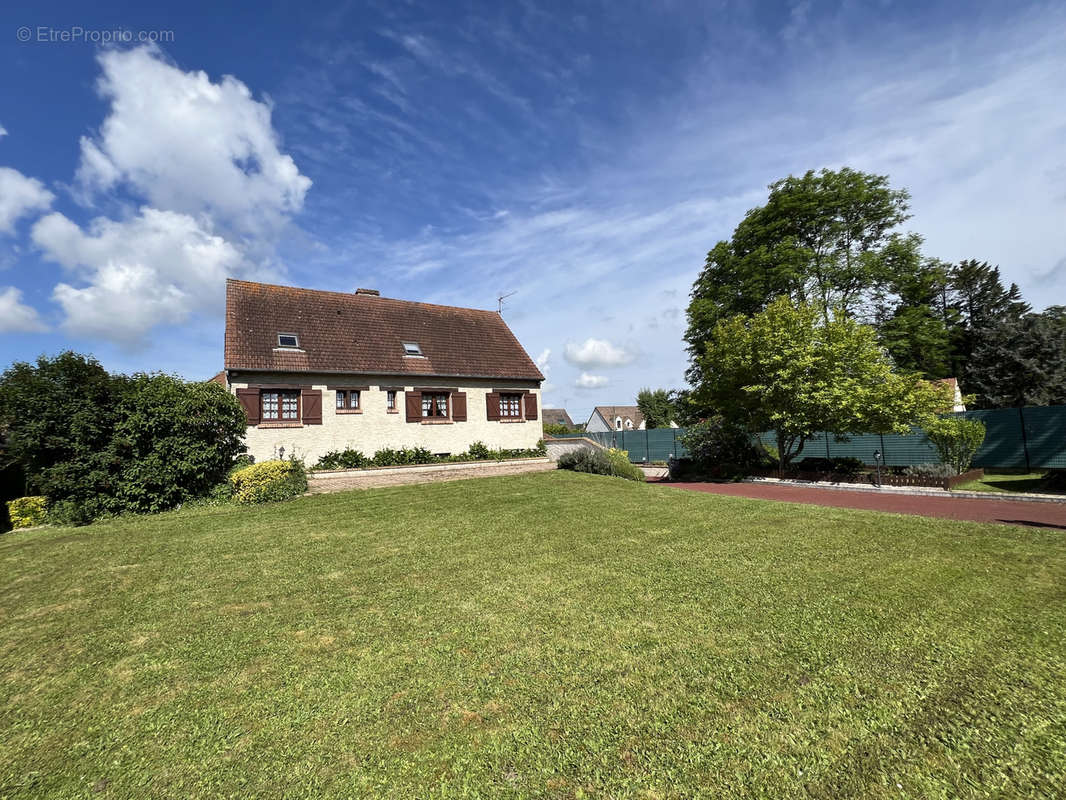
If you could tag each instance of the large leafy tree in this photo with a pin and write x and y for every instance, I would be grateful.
(913, 316)
(58, 416)
(656, 407)
(822, 238)
(1020, 361)
(787, 370)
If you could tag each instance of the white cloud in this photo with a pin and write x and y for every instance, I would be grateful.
(19, 195)
(586, 381)
(190, 145)
(17, 317)
(156, 268)
(597, 353)
(3, 131)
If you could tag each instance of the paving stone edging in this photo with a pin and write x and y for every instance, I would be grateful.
(914, 490)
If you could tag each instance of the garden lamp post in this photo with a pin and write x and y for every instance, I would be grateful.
(878, 457)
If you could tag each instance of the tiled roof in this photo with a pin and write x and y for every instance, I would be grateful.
(556, 416)
(363, 333)
(609, 413)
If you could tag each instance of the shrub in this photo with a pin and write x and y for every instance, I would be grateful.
(59, 415)
(621, 466)
(343, 459)
(404, 456)
(109, 443)
(719, 445)
(838, 466)
(585, 459)
(931, 471)
(174, 441)
(956, 440)
(598, 462)
(71, 513)
(27, 512)
(847, 466)
(268, 482)
(479, 451)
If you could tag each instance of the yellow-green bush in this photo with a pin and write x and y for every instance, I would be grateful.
(621, 467)
(25, 512)
(268, 482)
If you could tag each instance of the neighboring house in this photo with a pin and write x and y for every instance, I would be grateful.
(557, 416)
(615, 418)
(319, 371)
(954, 384)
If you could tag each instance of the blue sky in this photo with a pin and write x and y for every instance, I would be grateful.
(583, 156)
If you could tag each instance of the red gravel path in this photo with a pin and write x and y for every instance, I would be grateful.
(1043, 515)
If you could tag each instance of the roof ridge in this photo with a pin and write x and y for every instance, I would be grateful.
(376, 299)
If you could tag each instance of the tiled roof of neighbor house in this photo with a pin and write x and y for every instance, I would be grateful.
(556, 416)
(609, 413)
(365, 333)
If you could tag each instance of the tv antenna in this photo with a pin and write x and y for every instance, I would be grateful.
(500, 299)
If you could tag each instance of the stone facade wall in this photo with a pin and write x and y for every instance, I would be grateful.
(375, 427)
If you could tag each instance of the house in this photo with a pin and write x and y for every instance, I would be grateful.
(320, 371)
(953, 383)
(557, 416)
(615, 418)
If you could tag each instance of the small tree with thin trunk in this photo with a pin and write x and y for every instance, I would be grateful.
(789, 371)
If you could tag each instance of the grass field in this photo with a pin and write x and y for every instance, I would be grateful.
(554, 635)
(1009, 482)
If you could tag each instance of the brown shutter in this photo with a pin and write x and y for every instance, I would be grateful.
(459, 406)
(413, 402)
(311, 400)
(492, 406)
(249, 399)
(531, 405)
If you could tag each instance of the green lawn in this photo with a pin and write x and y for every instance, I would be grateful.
(1008, 482)
(554, 634)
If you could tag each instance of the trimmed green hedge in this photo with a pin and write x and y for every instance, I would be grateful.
(27, 512)
(268, 482)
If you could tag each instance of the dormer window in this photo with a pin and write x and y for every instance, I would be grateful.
(288, 340)
(411, 349)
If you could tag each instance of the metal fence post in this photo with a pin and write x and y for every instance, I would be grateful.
(884, 453)
(647, 450)
(826, 435)
(1025, 439)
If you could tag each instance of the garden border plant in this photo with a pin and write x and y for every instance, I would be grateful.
(477, 452)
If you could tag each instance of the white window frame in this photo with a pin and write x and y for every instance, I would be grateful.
(295, 339)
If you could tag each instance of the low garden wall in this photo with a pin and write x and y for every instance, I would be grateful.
(871, 478)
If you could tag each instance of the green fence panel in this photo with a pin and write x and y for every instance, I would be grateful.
(1041, 444)
(1003, 447)
(1045, 436)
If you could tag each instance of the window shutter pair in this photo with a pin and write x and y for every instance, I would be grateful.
(310, 403)
(413, 405)
(531, 405)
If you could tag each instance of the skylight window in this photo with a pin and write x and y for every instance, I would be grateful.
(411, 349)
(288, 340)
